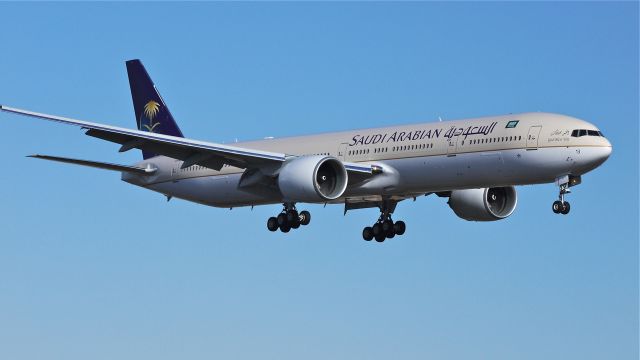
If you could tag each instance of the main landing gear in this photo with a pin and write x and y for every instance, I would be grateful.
(288, 219)
(384, 228)
(561, 206)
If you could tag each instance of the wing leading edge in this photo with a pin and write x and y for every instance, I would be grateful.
(191, 152)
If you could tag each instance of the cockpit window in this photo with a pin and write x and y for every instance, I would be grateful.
(584, 132)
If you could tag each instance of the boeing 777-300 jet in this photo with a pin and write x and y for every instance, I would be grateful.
(476, 163)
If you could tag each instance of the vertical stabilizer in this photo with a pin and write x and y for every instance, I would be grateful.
(152, 114)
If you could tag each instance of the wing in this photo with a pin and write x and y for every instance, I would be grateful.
(98, 165)
(191, 152)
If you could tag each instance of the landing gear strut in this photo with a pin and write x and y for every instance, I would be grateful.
(288, 219)
(561, 206)
(385, 227)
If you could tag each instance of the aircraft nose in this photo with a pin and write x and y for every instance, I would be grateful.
(591, 157)
(600, 154)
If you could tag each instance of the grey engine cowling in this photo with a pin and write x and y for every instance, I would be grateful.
(488, 204)
(314, 178)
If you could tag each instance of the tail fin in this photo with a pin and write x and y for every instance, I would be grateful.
(152, 114)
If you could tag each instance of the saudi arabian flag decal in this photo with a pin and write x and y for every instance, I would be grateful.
(151, 109)
(511, 124)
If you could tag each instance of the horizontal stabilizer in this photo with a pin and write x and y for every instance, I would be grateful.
(99, 165)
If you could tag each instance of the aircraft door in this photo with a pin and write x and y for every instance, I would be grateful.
(342, 152)
(452, 145)
(532, 137)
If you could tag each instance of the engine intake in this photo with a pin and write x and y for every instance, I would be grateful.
(312, 179)
(488, 204)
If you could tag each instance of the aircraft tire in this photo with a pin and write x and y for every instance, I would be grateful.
(565, 208)
(306, 217)
(400, 227)
(377, 230)
(272, 224)
(285, 228)
(391, 233)
(387, 226)
(292, 216)
(367, 233)
(282, 219)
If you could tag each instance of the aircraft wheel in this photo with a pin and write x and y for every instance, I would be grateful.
(380, 237)
(557, 207)
(306, 217)
(285, 228)
(295, 223)
(367, 233)
(391, 234)
(272, 224)
(292, 216)
(565, 208)
(377, 230)
(400, 227)
(282, 219)
(387, 226)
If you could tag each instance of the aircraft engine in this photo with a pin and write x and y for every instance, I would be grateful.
(488, 204)
(313, 178)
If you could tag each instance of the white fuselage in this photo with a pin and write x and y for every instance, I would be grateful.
(416, 159)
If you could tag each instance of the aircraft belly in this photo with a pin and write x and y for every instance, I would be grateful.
(218, 191)
(399, 177)
(481, 169)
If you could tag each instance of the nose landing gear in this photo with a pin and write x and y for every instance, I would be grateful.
(561, 206)
(288, 219)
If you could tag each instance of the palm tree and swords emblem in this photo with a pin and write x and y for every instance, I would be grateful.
(151, 109)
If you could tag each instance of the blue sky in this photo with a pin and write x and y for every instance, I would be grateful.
(91, 267)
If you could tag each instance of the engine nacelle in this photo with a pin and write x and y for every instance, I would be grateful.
(488, 204)
(314, 178)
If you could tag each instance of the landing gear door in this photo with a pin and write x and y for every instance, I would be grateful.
(342, 152)
(532, 137)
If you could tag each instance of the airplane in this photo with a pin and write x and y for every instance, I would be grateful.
(476, 163)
